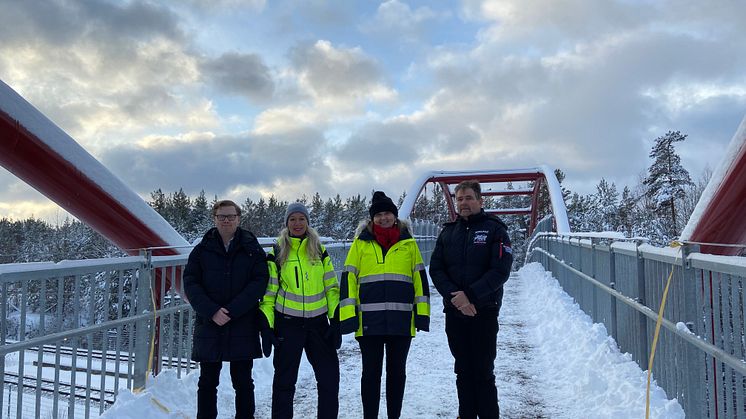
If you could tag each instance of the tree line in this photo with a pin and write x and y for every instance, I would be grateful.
(657, 208)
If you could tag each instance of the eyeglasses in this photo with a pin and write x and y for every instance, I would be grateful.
(229, 217)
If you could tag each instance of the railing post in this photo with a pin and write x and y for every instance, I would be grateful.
(612, 299)
(694, 393)
(642, 320)
(596, 315)
(142, 328)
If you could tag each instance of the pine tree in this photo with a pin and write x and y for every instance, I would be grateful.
(578, 210)
(10, 240)
(402, 197)
(35, 246)
(275, 216)
(422, 208)
(261, 219)
(317, 212)
(627, 205)
(356, 210)
(333, 209)
(439, 206)
(180, 212)
(248, 215)
(692, 195)
(158, 201)
(201, 217)
(667, 179)
(604, 211)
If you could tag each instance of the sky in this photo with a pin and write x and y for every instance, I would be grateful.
(539, 325)
(244, 99)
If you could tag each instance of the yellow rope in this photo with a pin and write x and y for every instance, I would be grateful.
(160, 405)
(152, 335)
(657, 331)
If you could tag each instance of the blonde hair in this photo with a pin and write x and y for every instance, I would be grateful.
(313, 248)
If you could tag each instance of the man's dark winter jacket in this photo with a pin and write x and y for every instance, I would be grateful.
(236, 280)
(473, 256)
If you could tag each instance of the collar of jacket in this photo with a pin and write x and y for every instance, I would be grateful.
(477, 218)
(472, 219)
(296, 242)
(403, 234)
(213, 241)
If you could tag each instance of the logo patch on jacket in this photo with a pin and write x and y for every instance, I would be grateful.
(480, 236)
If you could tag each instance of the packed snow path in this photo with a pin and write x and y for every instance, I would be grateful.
(431, 383)
(552, 362)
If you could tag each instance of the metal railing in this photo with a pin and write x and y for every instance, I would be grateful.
(72, 334)
(620, 283)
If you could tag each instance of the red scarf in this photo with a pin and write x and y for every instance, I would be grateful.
(386, 237)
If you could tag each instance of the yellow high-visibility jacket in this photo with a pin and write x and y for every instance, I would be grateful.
(384, 293)
(304, 288)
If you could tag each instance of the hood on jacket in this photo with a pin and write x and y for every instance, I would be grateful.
(405, 227)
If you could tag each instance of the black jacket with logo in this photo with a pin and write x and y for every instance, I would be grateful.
(473, 256)
(234, 279)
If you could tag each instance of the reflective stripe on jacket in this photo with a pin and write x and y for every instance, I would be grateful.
(306, 288)
(384, 293)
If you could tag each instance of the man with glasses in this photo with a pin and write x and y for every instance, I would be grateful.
(224, 280)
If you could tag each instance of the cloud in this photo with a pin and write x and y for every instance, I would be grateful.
(396, 20)
(65, 22)
(103, 72)
(324, 85)
(381, 145)
(216, 163)
(19, 201)
(344, 97)
(331, 72)
(541, 88)
(213, 5)
(244, 74)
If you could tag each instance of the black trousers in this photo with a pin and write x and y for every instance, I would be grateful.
(473, 343)
(372, 349)
(295, 334)
(207, 389)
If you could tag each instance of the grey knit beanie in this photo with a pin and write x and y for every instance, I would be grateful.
(296, 207)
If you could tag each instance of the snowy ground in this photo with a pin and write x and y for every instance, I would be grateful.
(552, 362)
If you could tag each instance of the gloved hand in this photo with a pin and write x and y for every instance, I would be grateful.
(422, 323)
(333, 333)
(267, 335)
(268, 341)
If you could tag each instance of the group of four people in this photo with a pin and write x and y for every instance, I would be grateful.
(294, 300)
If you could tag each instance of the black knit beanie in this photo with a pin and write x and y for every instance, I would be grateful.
(380, 203)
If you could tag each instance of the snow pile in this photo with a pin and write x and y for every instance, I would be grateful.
(167, 396)
(584, 373)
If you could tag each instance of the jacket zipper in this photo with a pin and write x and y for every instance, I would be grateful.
(466, 241)
(298, 278)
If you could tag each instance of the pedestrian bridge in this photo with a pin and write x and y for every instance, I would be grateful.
(74, 333)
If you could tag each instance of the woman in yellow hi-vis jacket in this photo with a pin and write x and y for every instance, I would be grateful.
(384, 298)
(300, 312)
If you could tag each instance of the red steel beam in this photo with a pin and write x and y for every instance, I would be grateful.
(723, 219)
